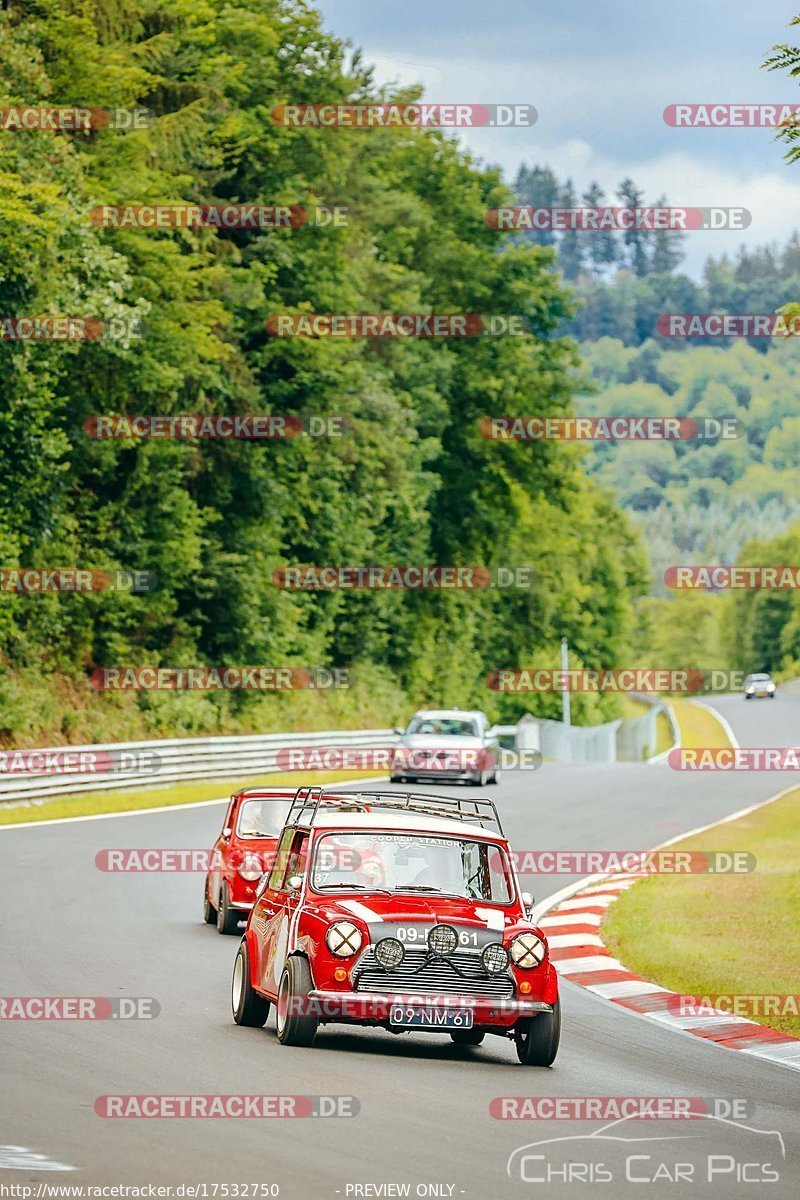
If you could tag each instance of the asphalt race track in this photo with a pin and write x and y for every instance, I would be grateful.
(69, 929)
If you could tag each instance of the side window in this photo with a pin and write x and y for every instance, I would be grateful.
(275, 881)
(230, 814)
(298, 854)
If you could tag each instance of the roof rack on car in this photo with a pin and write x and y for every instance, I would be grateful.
(310, 800)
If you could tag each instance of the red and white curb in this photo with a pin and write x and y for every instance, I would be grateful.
(579, 954)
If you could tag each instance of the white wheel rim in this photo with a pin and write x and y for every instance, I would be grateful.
(237, 991)
(283, 1003)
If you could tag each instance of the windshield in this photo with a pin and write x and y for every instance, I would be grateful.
(262, 818)
(443, 726)
(758, 679)
(405, 862)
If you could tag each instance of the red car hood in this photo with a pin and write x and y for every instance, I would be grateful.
(376, 908)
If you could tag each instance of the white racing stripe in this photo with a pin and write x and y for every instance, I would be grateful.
(20, 1158)
(360, 910)
(494, 919)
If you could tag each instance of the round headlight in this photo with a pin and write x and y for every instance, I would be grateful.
(494, 958)
(343, 939)
(527, 951)
(442, 939)
(251, 869)
(390, 953)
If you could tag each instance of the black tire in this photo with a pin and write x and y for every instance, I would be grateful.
(247, 1006)
(537, 1038)
(209, 912)
(467, 1037)
(293, 1028)
(747, 697)
(227, 917)
(397, 779)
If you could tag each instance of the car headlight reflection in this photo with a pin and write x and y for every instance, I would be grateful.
(494, 958)
(527, 951)
(251, 869)
(390, 953)
(343, 939)
(442, 940)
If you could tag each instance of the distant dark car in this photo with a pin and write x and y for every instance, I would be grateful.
(759, 685)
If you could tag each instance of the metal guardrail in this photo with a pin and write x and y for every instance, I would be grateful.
(179, 760)
(633, 739)
(183, 760)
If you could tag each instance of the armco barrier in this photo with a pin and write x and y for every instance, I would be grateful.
(182, 760)
(631, 740)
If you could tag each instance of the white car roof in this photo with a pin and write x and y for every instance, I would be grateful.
(402, 822)
(466, 713)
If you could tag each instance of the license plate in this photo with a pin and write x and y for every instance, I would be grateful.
(430, 1017)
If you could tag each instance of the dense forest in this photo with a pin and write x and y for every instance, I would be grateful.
(693, 501)
(409, 481)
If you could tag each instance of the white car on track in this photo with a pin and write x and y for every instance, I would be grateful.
(447, 744)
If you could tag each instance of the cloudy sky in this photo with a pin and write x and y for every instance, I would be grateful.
(600, 76)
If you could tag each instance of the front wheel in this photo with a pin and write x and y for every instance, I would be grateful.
(467, 1037)
(294, 1025)
(537, 1038)
(248, 1007)
(227, 917)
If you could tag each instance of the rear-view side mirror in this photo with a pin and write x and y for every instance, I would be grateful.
(399, 731)
(295, 882)
(527, 902)
(227, 831)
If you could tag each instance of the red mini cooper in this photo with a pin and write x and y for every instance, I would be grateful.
(401, 911)
(244, 850)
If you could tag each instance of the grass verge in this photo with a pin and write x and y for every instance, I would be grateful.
(699, 728)
(180, 793)
(723, 934)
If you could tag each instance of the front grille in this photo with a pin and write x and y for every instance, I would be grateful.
(417, 974)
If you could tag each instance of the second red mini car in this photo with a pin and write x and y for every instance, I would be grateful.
(244, 850)
(401, 911)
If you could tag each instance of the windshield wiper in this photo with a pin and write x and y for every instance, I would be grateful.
(421, 887)
(359, 887)
(416, 887)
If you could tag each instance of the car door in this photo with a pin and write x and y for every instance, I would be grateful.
(220, 851)
(276, 907)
